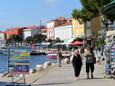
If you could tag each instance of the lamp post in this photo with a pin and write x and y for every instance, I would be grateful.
(8, 57)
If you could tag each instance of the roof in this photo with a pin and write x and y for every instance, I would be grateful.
(60, 19)
(2, 32)
(65, 24)
(15, 28)
(36, 27)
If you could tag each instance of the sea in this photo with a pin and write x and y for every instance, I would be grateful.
(33, 60)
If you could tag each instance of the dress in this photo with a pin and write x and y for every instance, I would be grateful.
(77, 64)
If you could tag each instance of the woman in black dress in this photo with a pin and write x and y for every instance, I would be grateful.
(77, 64)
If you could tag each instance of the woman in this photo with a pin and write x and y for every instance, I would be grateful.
(89, 61)
(77, 64)
(59, 57)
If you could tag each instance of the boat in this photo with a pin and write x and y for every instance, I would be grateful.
(52, 56)
(37, 53)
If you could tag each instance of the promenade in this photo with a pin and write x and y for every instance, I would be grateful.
(63, 76)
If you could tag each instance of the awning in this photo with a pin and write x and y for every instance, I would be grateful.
(109, 9)
(76, 43)
(68, 41)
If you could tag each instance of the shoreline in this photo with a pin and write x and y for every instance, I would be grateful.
(30, 78)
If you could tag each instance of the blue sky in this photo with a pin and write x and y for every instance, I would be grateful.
(14, 13)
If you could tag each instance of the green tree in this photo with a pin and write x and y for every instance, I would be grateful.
(94, 6)
(90, 9)
(57, 40)
(29, 39)
(15, 38)
(82, 15)
(38, 38)
(51, 42)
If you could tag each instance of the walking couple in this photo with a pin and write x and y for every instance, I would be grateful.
(76, 61)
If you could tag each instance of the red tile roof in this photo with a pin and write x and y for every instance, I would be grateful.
(68, 23)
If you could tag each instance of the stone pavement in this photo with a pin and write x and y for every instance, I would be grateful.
(63, 76)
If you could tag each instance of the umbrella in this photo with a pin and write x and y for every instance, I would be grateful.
(76, 43)
(109, 9)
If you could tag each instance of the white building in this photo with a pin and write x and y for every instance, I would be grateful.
(63, 32)
(2, 37)
(54, 23)
(31, 31)
(50, 30)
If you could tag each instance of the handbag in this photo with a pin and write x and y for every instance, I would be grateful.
(94, 59)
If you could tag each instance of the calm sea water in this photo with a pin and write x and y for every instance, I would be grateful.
(34, 60)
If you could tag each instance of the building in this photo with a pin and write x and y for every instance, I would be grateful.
(43, 30)
(63, 32)
(2, 37)
(54, 23)
(31, 31)
(78, 29)
(17, 31)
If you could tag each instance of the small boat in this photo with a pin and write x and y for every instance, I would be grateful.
(33, 53)
(37, 53)
(52, 56)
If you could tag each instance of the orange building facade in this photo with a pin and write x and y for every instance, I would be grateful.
(17, 31)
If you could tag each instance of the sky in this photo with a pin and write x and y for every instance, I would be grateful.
(20, 13)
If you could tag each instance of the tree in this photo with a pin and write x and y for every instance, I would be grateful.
(15, 38)
(90, 9)
(29, 39)
(50, 40)
(57, 40)
(82, 15)
(38, 38)
(94, 6)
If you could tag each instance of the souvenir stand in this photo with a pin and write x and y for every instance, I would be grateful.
(110, 47)
(112, 58)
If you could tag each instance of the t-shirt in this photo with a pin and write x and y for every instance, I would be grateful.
(77, 59)
(89, 58)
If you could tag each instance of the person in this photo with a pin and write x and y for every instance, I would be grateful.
(107, 69)
(107, 63)
(76, 63)
(89, 55)
(59, 57)
(82, 52)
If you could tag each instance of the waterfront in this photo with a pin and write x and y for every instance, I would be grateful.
(34, 60)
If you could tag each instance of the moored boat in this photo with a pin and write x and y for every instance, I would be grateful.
(52, 56)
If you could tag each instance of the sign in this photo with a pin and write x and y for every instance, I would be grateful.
(24, 54)
(19, 61)
(21, 68)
